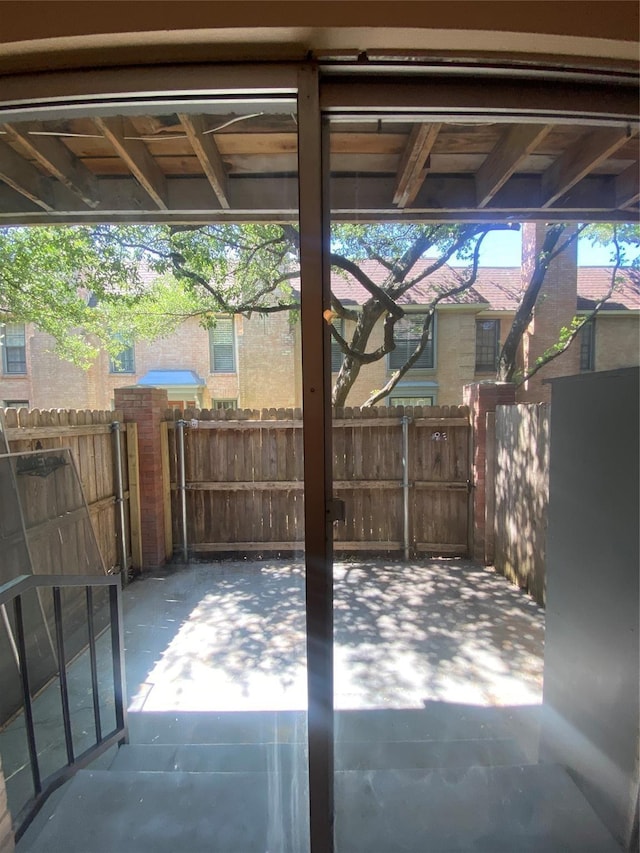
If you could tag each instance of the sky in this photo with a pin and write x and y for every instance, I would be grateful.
(502, 249)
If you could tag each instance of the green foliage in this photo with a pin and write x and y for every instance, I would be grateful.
(96, 286)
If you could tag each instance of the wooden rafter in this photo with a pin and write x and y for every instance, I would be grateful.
(23, 177)
(134, 153)
(514, 146)
(56, 159)
(414, 164)
(206, 151)
(442, 198)
(581, 158)
(628, 186)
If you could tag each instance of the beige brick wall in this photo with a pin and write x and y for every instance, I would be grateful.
(56, 383)
(6, 831)
(269, 361)
(617, 341)
(268, 351)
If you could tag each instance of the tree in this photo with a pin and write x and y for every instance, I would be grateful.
(140, 281)
(555, 242)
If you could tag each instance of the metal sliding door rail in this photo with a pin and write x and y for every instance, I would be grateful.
(502, 100)
(316, 372)
(72, 92)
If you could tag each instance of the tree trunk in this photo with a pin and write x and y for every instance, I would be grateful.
(507, 363)
(371, 313)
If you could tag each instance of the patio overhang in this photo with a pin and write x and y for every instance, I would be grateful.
(424, 145)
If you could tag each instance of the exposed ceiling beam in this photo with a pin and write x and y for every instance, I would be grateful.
(581, 158)
(513, 147)
(23, 177)
(206, 151)
(441, 199)
(414, 163)
(134, 153)
(54, 156)
(628, 186)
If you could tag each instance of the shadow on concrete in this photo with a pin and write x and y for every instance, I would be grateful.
(231, 636)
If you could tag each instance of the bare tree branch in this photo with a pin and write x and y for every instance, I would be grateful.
(377, 292)
(426, 327)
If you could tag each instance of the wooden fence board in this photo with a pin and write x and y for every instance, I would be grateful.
(245, 489)
(521, 494)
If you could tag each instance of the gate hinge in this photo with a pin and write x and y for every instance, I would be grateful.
(470, 486)
(336, 510)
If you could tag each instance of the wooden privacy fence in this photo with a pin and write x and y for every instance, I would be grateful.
(243, 472)
(522, 494)
(113, 502)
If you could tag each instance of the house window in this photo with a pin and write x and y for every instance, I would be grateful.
(408, 332)
(14, 349)
(224, 404)
(124, 362)
(15, 404)
(587, 337)
(487, 344)
(428, 400)
(221, 346)
(336, 353)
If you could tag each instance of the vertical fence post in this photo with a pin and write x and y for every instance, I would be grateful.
(26, 697)
(133, 471)
(117, 442)
(405, 486)
(62, 674)
(117, 659)
(490, 489)
(166, 490)
(182, 487)
(93, 660)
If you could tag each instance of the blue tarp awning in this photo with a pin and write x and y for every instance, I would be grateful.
(168, 378)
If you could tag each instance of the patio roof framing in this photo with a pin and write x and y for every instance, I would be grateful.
(423, 143)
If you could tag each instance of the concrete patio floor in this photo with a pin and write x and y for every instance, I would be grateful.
(429, 657)
(230, 636)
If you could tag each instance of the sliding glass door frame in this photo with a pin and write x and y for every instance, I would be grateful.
(324, 92)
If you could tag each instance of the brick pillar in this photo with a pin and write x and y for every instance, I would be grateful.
(6, 830)
(483, 397)
(555, 308)
(145, 406)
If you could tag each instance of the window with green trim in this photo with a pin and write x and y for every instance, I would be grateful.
(222, 346)
(407, 335)
(124, 361)
(336, 353)
(14, 349)
(587, 338)
(487, 345)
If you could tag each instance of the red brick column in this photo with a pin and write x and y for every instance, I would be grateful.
(555, 307)
(145, 407)
(482, 398)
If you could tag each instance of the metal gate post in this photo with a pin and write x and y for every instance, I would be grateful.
(182, 486)
(405, 485)
(117, 441)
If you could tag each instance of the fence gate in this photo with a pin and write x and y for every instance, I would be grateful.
(440, 476)
(403, 474)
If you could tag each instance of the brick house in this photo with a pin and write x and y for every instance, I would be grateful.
(255, 362)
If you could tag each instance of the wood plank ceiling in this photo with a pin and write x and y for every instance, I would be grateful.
(195, 167)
